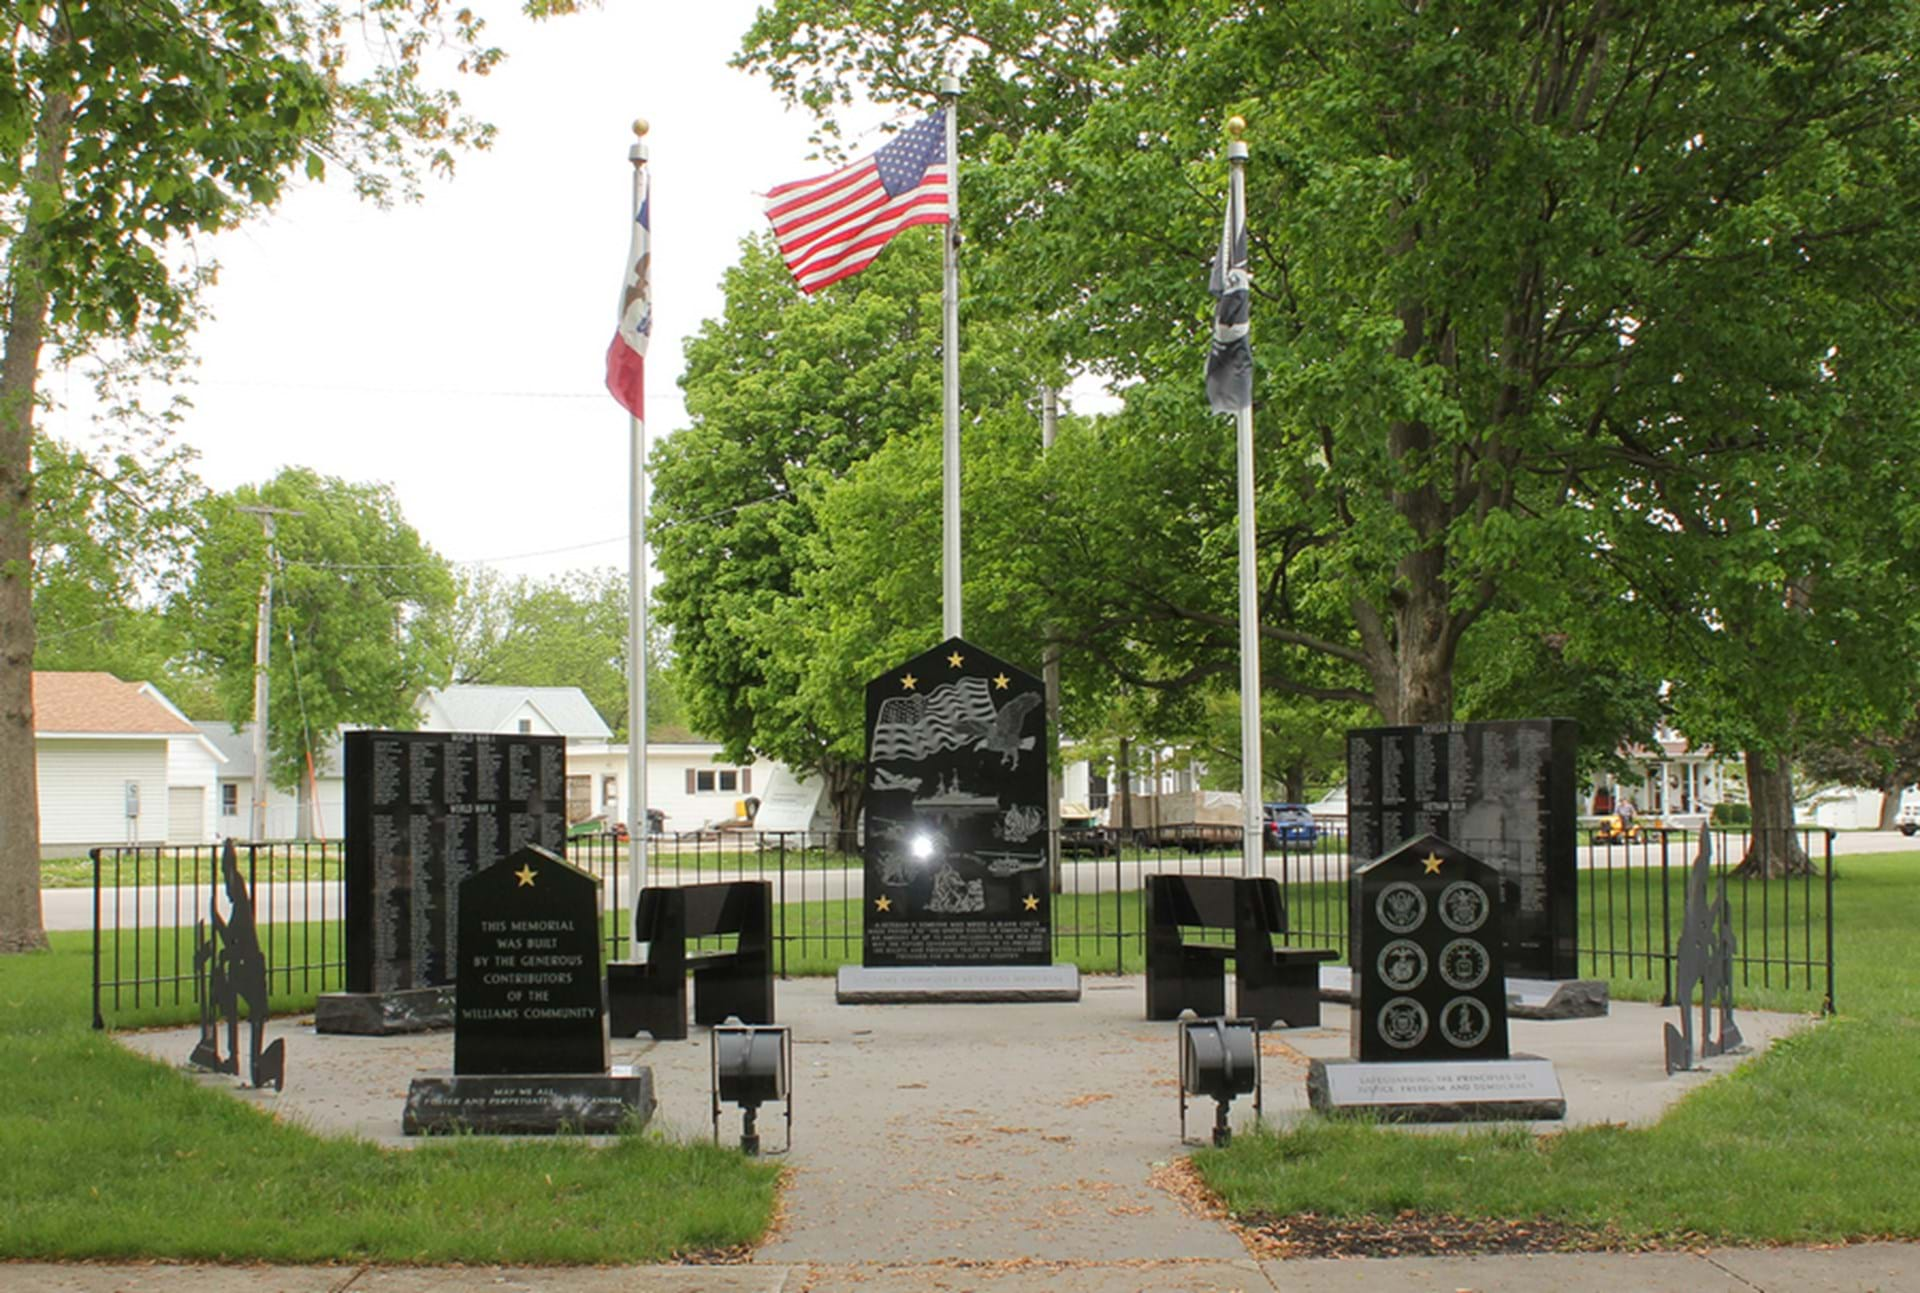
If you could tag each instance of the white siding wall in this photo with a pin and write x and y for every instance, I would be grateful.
(192, 766)
(83, 794)
(667, 769)
(283, 811)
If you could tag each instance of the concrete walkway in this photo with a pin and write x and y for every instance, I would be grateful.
(1009, 1147)
(1864, 1268)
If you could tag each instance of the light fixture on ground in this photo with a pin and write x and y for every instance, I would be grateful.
(1219, 1059)
(752, 1064)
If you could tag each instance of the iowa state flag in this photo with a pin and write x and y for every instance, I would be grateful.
(627, 355)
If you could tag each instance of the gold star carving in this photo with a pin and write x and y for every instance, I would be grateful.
(1031, 903)
(883, 903)
(1001, 681)
(525, 873)
(908, 682)
(1432, 863)
(956, 660)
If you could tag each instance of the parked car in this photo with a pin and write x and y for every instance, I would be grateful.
(1909, 819)
(1290, 824)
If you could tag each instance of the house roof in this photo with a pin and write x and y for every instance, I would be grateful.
(99, 704)
(237, 746)
(476, 708)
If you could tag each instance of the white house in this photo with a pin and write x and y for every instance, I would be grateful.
(117, 763)
(688, 781)
(316, 810)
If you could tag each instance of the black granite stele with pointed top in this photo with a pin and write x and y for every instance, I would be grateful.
(530, 1019)
(956, 844)
(1430, 1006)
(958, 901)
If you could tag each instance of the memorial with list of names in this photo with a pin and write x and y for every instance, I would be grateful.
(1503, 791)
(426, 811)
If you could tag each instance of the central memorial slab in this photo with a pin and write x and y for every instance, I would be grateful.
(530, 1023)
(956, 835)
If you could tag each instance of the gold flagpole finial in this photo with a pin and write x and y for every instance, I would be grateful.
(640, 127)
(1236, 126)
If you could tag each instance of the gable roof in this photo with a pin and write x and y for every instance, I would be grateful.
(99, 704)
(470, 707)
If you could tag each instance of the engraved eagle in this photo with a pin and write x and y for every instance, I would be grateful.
(1002, 734)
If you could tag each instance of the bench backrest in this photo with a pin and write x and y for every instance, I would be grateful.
(702, 910)
(1215, 901)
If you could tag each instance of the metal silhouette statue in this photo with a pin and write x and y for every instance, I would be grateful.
(1706, 961)
(229, 969)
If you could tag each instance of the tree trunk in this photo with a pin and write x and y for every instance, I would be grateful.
(846, 791)
(1891, 789)
(21, 926)
(1774, 850)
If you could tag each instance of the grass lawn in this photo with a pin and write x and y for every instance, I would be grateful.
(1819, 1140)
(113, 1156)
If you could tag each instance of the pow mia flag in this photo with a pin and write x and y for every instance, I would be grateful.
(1230, 359)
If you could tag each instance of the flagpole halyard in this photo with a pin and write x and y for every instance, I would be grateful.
(950, 376)
(1253, 814)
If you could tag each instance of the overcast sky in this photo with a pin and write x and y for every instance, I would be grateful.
(455, 348)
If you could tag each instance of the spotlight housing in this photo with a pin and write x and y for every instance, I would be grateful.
(1219, 1060)
(752, 1065)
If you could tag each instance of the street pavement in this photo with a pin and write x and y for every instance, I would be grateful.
(149, 907)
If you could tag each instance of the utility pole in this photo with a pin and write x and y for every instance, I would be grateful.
(262, 636)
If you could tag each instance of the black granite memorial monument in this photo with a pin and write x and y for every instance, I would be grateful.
(425, 811)
(1430, 1010)
(956, 880)
(1505, 792)
(530, 1025)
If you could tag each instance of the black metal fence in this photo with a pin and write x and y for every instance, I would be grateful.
(147, 902)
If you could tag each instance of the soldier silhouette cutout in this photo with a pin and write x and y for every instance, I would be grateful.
(231, 969)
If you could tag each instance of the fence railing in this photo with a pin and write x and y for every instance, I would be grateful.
(147, 902)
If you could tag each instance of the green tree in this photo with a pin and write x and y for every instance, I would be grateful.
(126, 129)
(1886, 761)
(1535, 290)
(787, 394)
(112, 532)
(359, 609)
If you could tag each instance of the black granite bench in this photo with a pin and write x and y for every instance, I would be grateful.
(651, 996)
(1274, 985)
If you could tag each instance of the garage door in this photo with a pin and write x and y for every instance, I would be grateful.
(186, 815)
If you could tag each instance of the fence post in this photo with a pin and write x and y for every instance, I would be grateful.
(1826, 1007)
(1666, 923)
(99, 1021)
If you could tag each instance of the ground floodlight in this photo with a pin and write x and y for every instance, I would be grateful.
(752, 1064)
(1219, 1059)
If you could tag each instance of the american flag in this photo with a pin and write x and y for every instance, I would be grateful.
(627, 354)
(834, 225)
(913, 727)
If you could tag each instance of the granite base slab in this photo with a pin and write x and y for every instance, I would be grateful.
(384, 1014)
(530, 1104)
(1526, 998)
(898, 985)
(1524, 1088)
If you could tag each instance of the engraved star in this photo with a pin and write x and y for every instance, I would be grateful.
(1432, 863)
(1001, 681)
(908, 682)
(525, 873)
(883, 903)
(956, 660)
(1031, 903)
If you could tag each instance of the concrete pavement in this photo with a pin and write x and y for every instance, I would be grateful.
(1862, 1268)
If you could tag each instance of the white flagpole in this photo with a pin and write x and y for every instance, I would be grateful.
(637, 841)
(950, 377)
(1253, 815)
